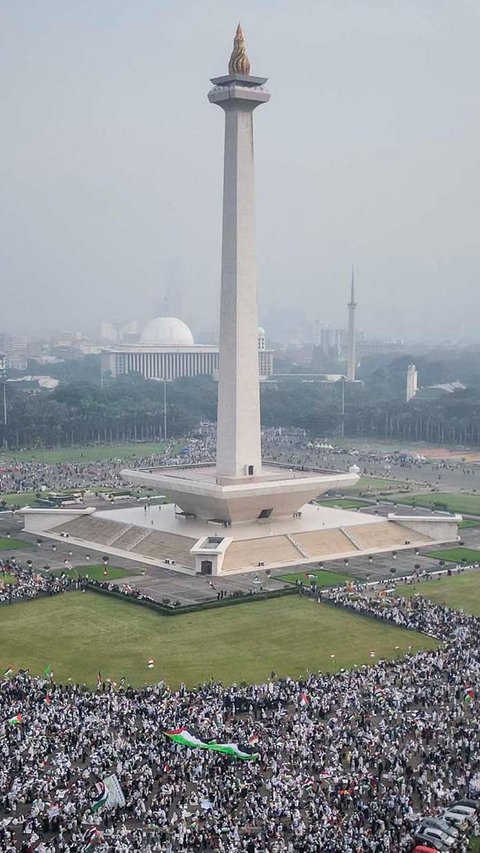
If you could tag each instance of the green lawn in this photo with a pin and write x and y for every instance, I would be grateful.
(344, 503)
(12, 544)
(96, 573)
(455, 555)
(468, 522)
(6, 578)
(461, 592)
(474, 845)
(19, 499)
(87, 453)
(449, 502)
(377, 485)
(79, 634)
(323, 578)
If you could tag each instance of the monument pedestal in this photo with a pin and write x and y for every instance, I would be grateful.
(276, 493)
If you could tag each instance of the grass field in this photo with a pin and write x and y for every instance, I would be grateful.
(323, 578)
(453, 502)
(19, 498)
(461, 592)
(12, 544)
(455, 555)
(468, 522)
(6, 578)
(95, 573)
(88, 453)
(376, 485)
(79, 634)
(344, 503)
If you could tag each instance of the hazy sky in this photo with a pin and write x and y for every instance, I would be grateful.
(368, 153)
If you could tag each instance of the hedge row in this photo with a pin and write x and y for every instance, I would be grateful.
(193, 608)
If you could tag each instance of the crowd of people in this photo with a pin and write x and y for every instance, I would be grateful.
(34, 475)
(22, 583)
(288, 447)
(347, 761)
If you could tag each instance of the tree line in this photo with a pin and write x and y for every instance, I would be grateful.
(131, 408)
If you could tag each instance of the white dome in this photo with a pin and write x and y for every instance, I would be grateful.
(167, 332)
(261, 332)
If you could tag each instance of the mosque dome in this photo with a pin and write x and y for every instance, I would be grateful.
(167, 332)
(261, 332)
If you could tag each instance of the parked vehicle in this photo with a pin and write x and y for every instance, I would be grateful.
(471, 804)
(420, 848)
(456, 819)
(467, 812)
(439, 823)
(435, 837)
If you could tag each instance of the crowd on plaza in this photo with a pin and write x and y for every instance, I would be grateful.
(294, 448)
(35, 475)
(347, 761)
(288, 447)
(28, 584)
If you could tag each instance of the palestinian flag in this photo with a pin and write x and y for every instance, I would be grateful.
(469, 695)
(48, 671)
(107, 793)
(186, 738)
(151, 663)
(253, 740)
(8, 672)
(15, 721)
(304, 699)
(91, 839)
(307, 782)
(100, 796)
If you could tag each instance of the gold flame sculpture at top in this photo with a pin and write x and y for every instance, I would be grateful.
(239, 61)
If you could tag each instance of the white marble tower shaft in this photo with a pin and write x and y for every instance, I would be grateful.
(238, 422)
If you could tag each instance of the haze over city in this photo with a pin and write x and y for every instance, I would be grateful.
(111, 184)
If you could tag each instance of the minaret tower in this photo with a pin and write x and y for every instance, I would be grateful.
(351, 356)
(238, 423)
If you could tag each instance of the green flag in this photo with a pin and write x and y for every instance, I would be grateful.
(186, 738)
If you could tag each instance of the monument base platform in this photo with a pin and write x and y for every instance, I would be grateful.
(277, 492)
(161, 536)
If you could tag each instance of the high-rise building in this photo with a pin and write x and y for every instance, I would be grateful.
(351, 340)
(412, 379)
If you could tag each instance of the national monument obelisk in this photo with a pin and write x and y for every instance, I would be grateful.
(238, 489)
(238, 514)
(238, 430)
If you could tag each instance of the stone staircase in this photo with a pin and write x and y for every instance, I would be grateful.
(297, 545)
(351, 538)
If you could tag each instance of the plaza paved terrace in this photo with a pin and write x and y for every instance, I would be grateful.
(160, 545)
(92, 529)
(386, 534)
(248, 553)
